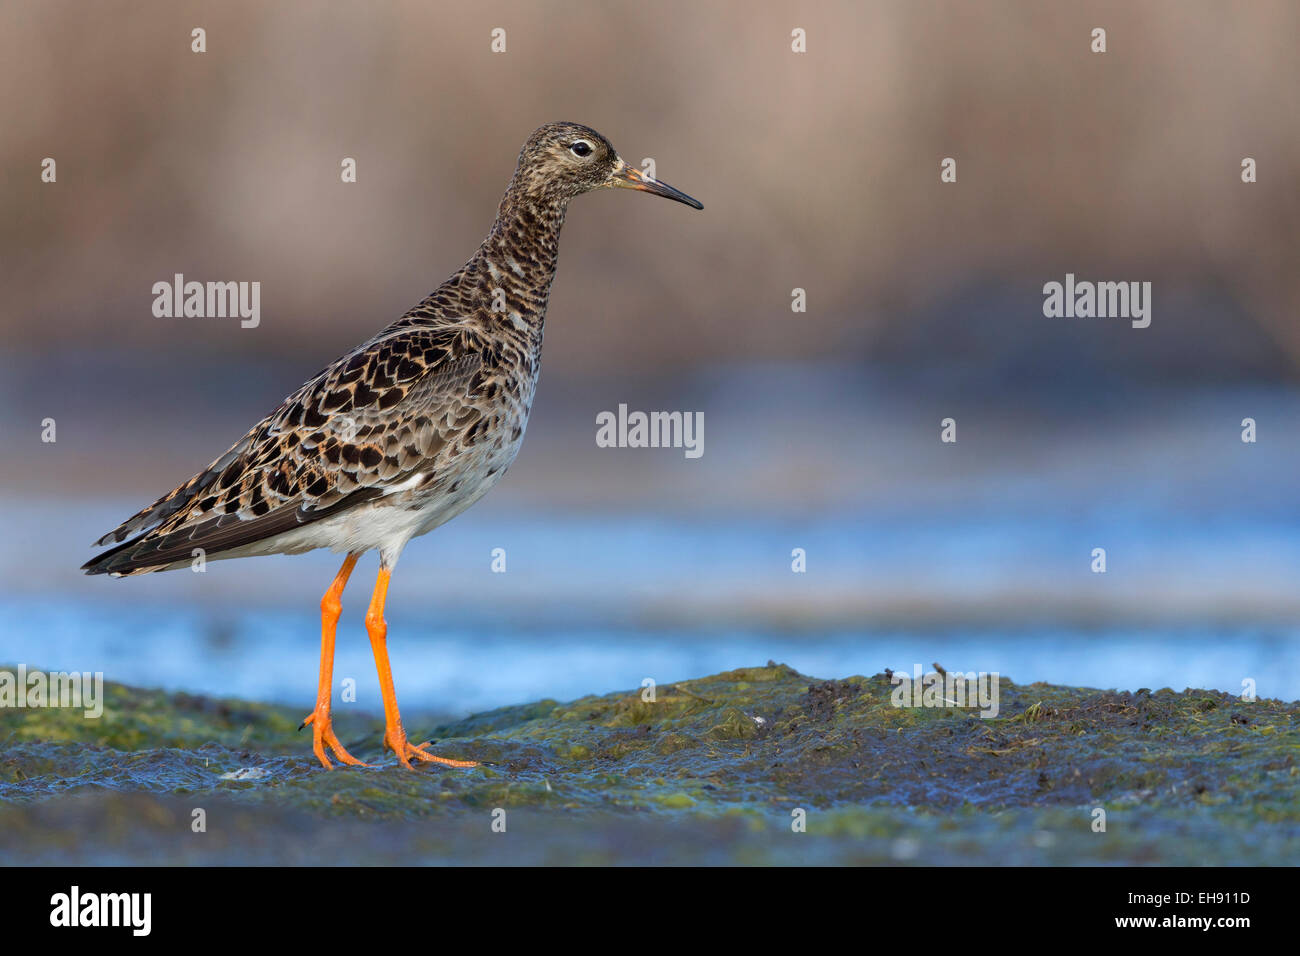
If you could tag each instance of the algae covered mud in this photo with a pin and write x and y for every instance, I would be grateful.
(758, 765)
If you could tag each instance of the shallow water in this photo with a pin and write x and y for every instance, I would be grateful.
(273, 655)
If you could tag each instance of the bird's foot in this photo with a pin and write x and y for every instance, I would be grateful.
(322, 734)
(395, 740)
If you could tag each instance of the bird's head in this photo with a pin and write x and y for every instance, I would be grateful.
(563, 160)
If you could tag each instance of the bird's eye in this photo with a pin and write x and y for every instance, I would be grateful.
(580, 148)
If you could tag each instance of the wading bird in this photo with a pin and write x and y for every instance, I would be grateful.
(400, 435)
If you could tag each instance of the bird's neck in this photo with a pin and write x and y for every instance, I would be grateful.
(507, 282)
(521, 251)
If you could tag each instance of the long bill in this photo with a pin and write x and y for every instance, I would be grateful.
(629, 177)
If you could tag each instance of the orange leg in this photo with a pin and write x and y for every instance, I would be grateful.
(322, 731)
(394, 735)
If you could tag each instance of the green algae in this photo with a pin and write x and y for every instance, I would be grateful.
(760, 764)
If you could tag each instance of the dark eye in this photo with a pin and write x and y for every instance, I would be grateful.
(580, 148)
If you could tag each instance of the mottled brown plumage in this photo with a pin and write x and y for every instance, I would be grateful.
(411, 427)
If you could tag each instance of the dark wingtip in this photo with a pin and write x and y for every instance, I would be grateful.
(108, 562)
(99, 563)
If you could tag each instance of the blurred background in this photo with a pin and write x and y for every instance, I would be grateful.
(818, 171)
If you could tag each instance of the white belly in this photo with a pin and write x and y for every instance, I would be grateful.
(408, 509)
